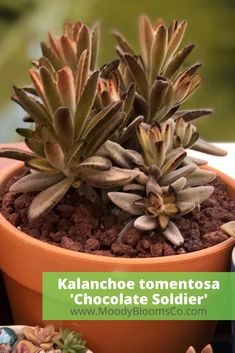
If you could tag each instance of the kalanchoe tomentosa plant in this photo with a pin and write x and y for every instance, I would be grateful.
(117, 128)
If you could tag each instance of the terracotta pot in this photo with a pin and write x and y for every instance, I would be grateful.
(23, 259)
(18, 331)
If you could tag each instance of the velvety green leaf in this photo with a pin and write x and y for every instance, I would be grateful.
(15, 153)
(95, 36)
(24, 132)
(51, 91)
(54, 155)
(49, 54)
(48, 198)
(35, 146)
(137, 74)
(85, 103)
(190, 115)
(82, 72)
(32, 107)
(69, 52)
(41, 165)
(125, 201)
(174, 160)
(66, 88)
(35, 182)
(176, 38)
(177, 61)
(84, 41)
(158, 51)
(63, 125)
(122, 42)
(157, 95)
(146, 38)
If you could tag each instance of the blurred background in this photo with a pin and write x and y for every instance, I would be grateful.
(24, 23)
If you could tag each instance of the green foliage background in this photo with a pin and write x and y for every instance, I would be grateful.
(24, 23)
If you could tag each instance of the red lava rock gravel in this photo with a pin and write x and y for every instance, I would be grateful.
(78, 225)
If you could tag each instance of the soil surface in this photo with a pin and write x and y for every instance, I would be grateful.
(78, 225)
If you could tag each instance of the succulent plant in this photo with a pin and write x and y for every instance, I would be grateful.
(165, 188)
(70, 342)
(153, 84)
(64, 138)
(206, 349)
(41, 337)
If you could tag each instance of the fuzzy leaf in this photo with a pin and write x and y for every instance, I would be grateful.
(32, 107)
(185, 207)
(196, 194)
(191, 350)
(24, 132)
(41, 165)
(54, 155)
(145, 223)
(48, 198)
(137, 74)
(95, 35)
(158, 51)
(109, 68)
(95, 162)
(146, 37)
(82, 72)
(157, 95)
(179, 184)
(63, 125)
(176, 174)
(229, 228)
(115, 152)
(125, 202)
(176, 38)
(83, 42)
(190, 115)
(174, 160)
(69, 52)
(35, 182)
(129, 99)
(50, 55)
(110, 178)
(52, 95)
(177, 61)
(66, 88)
(122, 42)
(173, 234)
(35, 146)
(205, 147)
(15, 153)
(86, 102)
(152, 186)
(200, 177)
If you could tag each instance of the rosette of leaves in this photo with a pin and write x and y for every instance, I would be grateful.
(64, 137)
(165, 189)
(70, 342)
(155, 83)
(41, 337)
(77, 48)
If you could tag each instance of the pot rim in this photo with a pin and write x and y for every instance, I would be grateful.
(18, 328)
(54, 250)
